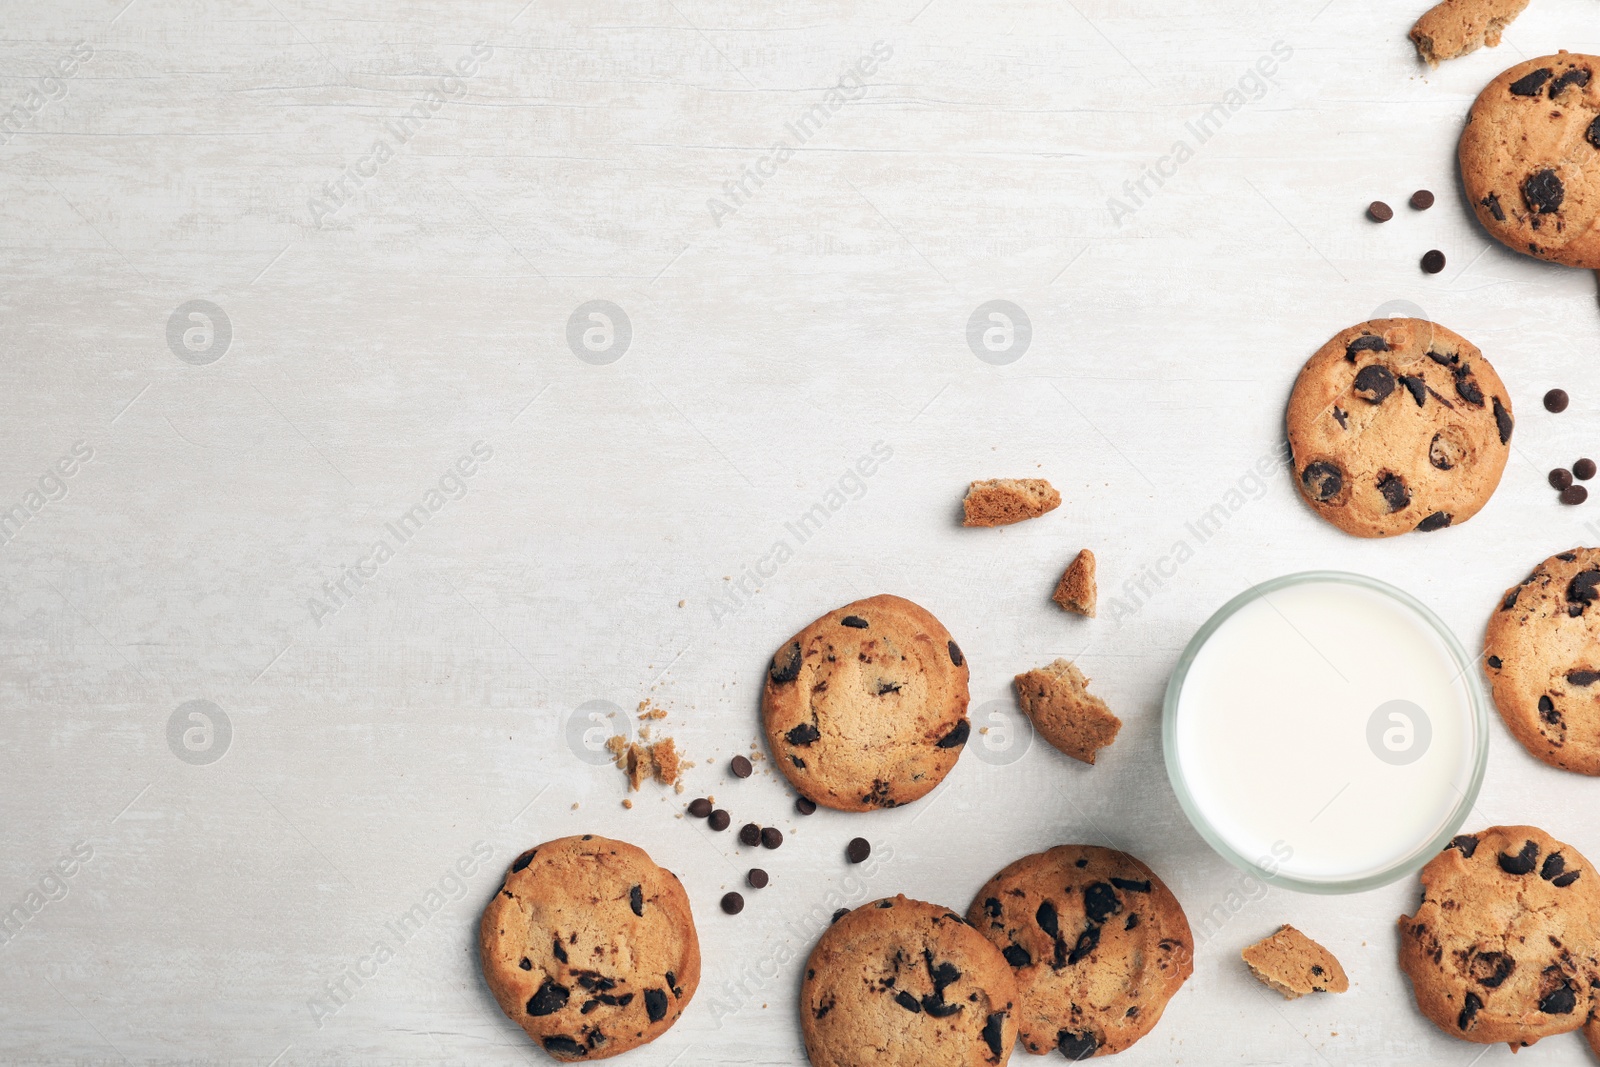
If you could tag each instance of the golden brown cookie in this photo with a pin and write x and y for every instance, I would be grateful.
(1455, 28)
(1591, 1033)
(867, 707)
(902, 983)
(1542, 656)
(1097, 942)
(590, 947)
(1292, 964)
(1530, 159)
(1057, 701)
(1076, 590)
(1503, 946)
(1003, 501)
(1398, 425)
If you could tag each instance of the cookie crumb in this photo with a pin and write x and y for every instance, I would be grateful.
(627, 803)
(1076, 590)
(1456, 28)
(659, 760)
(1003, 501)
(1292, 964)
(1057, 700)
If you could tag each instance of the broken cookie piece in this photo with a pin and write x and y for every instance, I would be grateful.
(1294, 965)
(1076, 590)
(1057, 700)
(1003, 501)
(640, 762)
(1456, 27)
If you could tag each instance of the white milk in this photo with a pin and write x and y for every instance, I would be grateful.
(1291, 749)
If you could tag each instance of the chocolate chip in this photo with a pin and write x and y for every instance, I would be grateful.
(1560, 478)
(1444, 453)
(771, 837)
(1594, 133)
(1544, 192)
(957, 736)
(1374, 383)
(1466, 844)
(1492, 202)
(1437, 521)
(1469, 1009)
(937, 1008)
(1076, 1047)
(805, 805)
(858, 849)
(1367, 342)
(549, 999)
(636, 900)
(1553, 865)
(1583, 470)
(1564, 880)
(786, 664)
(699, 807)
(1491, 969)
(1466, 388)
(1502, 421)
(804, 734)
(750, 834)
(994, 1033)
(1583, 677)
(1576, 76)
(991, 907)
(1422, 199)
(908, 1002)
(1584, 587)
(1340, 417)
(527, 964)
(1559, 1001)
(523, 860)
(1323, 480)
(1530, 84)
(1556, 401)
(1099, 902)
(719, 820)
(1016, 955)
(887, 687)
(1047, 919)
(1416, 387)
(1088, 941)
(1522, 862)
(757, 878)
(1433, 261)
(733, 903)
(1394, 492)
(1574, 494)
(855, 622)
(1444, 359)
(1133, 920)
(560, 952)
(1128, 885)
(839, 914)
(1494, 662)
(1548, 712)
(655, 1004)
(1378, 211)
(797, 761)
(740, 766)
(564, 1045)
(955, 653)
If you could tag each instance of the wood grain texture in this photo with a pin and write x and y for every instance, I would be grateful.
(620, 539)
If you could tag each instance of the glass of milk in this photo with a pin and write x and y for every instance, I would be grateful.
(1326, 732)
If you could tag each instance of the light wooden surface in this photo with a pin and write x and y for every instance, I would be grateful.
(382, 331)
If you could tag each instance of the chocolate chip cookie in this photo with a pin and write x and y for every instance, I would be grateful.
(590, 947)
(1503, 945)
(1292, 964)
(1097, 942)
(902, 983)
(867, 707)
(1530, 159)
(1056, 699)
(1542, 656)
(1398, 425)
(1456, 28)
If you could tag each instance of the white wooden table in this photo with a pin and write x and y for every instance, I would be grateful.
(393, 213)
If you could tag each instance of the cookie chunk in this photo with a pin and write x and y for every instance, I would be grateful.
(1294, 965)
(1530, 159)
(1097, 942)
(1503, 945)
(590, 947)
(1076, 590)
(1398, 425)
(901, 983)
(1003, 501)
(867, 707)
(1057, 700)
(1456, 27)
(1542, 656)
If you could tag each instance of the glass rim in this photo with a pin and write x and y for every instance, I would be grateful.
(1410, 863)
